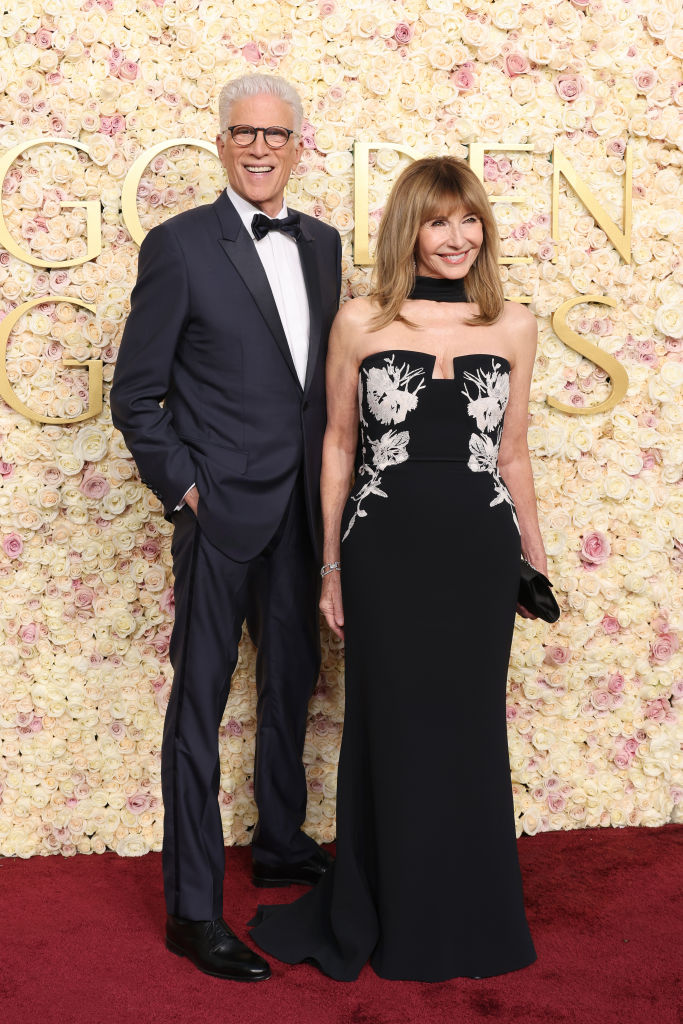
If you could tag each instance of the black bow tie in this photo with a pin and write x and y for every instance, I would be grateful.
(261, 225)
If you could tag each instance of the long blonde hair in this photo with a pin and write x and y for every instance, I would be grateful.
(426, 189)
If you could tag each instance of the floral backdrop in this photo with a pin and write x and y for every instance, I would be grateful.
(86, 600)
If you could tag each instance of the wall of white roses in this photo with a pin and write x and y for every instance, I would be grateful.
(85, 584)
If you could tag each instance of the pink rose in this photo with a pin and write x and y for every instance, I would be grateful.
(308, 135)
(660, 623)
(234, 728)
(600, 699)
(403, 32)
(645, 79)
(516, 64)
(6, 469)
(167, 601)
(617, 147)
(569, 86)
(491, 169)
(664, 647)
(149, 550)
(615, 683)
(621, 759)
(252, 53)
(546, 251)
(94, 485)
(161, 697)
(464, 78)
(557, 655)
(128, 71)
(327, 7)
(43, 39)
(595, 548)
(29, 633)
(139, 803)
(83, 598)
(13, 545)
(160, 645)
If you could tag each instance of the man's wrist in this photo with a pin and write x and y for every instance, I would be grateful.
(183, 500)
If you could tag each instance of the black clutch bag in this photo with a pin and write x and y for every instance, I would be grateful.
(536, 594)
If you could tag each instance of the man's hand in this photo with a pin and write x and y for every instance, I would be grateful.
(192, 499)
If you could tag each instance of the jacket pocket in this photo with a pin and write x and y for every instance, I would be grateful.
(220, 452)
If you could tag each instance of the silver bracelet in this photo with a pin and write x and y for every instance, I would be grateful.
(330, 567)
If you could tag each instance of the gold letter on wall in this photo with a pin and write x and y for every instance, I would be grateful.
(93, 366)
(608, 363)
(361, 188)
(129, 192)
(621, 240)
(92, 207)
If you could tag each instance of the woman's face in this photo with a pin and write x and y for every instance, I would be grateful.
(448, 245)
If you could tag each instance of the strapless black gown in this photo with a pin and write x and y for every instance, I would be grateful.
(427, 884)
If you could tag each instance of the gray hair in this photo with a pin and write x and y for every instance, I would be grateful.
(258, 85)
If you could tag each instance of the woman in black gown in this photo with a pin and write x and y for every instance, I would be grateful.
(428, 384)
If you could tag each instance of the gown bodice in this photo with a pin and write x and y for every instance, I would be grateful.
(408, 417)
(407, 414)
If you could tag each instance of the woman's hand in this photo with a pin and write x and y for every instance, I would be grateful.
(331, 603)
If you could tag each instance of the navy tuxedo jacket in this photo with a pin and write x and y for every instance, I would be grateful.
(205, 389)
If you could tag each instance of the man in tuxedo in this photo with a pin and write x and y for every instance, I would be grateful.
(219, 392)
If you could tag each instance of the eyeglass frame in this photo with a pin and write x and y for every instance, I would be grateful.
(231, 128)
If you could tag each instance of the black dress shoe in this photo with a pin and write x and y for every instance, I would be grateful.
(214, 949)
(306, 872)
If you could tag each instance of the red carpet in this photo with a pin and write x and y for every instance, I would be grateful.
(81, 943)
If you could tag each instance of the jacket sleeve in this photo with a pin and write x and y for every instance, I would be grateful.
(144, 369)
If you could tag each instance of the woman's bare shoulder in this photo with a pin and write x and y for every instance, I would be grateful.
(519, 319)
(356, 313)
(516, 313)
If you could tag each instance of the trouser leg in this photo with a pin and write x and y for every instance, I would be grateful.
(282, 615)
(210, 593)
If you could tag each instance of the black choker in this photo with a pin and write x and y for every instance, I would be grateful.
(439, 289)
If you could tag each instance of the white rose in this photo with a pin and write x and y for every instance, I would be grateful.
(669, 320)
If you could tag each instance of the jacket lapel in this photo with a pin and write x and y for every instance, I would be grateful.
(241, 251)
(309, 264)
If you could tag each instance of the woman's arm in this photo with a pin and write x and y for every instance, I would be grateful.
(339, 448)
(513, 459)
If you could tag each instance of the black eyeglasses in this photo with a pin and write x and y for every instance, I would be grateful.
(245, 134)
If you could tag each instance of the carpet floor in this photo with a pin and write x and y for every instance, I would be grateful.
(81, 942)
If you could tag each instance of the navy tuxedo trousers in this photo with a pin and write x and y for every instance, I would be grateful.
(277, 592)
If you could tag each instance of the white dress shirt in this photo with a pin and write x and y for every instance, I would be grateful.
(279, 255)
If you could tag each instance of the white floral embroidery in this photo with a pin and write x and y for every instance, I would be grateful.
(484, 457)
(391, 449)
(489, 405)
(488, 408)
(389, 397)
(389, 400)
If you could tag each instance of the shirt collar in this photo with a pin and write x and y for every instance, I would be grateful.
(246, 210)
